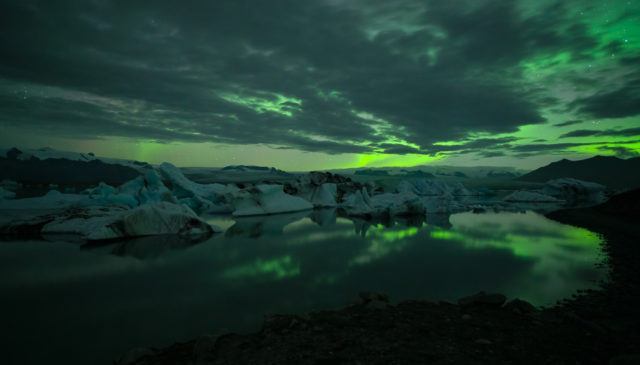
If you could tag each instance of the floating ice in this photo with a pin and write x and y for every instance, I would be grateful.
(574, 190)
(357, 203)
(267, 199)
(52, 200)
(430, 187)
(146, 220)
(213, 198)
(6, 194)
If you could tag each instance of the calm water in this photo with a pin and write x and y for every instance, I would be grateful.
(63, 302)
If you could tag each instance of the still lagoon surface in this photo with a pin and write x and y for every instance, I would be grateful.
(63, 302)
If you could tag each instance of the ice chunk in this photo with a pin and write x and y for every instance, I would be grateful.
(6, 194)
(267, 199)
(322, 196)
(389, 204)
(147, 189)
(430, 187)
(530, 196)
(357, 203)
(213, 198)
(574, 190)
(183, 187)
(360, 203)
(445, 203)
(146, 220)
(52, 200)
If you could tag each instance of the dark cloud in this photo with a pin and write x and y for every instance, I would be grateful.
(328, 76)
(544, 147)
(489, 154)
(620, 103)
(568, 123)
(629, 132)
(535, 148)
(580, 133)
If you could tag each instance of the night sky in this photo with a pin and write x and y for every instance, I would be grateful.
(323, 83)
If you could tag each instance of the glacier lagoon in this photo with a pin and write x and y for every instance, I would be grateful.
(80, 304)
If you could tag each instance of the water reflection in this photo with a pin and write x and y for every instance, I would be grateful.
(159, 290)
(144, 248)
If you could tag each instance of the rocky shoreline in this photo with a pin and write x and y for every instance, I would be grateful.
(593, 327)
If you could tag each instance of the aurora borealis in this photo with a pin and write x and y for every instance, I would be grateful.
(325, 83)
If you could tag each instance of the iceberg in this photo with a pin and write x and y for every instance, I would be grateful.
(390, 204)
(570, 189)
(357, 203)
(211, 198)
(444, 204)
(6, 194)
(325, 195)
(144, 189)
(114, 223)
(322, 196)
(319, 188)
(147, 188)
(267, 199)
(52, 200)
(360, 203)
(430, 187)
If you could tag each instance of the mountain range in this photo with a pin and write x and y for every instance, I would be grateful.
(613, 172)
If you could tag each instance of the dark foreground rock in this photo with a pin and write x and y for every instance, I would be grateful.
(593, 327)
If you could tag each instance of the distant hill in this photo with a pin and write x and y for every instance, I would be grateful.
(502, 174)
(31, 170)
(251, 168)
(372, 172)
(416, 173)
(611, 171)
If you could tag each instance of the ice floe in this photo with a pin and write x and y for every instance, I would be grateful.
(162, 218)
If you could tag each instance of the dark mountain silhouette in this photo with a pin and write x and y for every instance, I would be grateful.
(502, 174)
(372, 172)
(417, 173)
(60, 171)
(611, 171)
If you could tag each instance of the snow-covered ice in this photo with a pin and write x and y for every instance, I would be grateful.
(431, 187)
(390, 204)
(146, 220)
(574, 190)
(211, 198)
(267, 199)
(443, 204)
(6, 194)
(52, 200)
(322, 196)
(357, 203)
